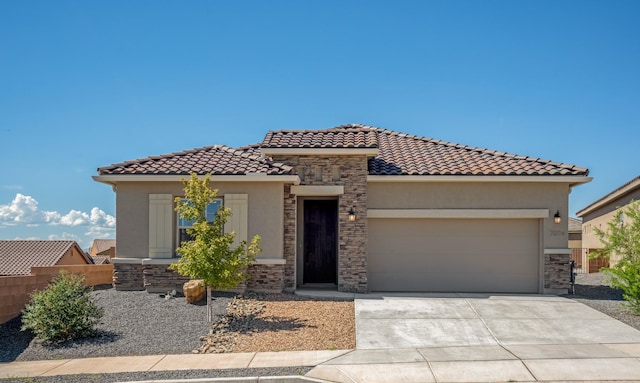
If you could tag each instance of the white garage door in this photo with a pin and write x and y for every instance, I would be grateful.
(453, 255)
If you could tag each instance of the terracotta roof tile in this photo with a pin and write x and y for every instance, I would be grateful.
(216, 160)
(402, 154)
(398, 154)
(18, 256)
(345, 136)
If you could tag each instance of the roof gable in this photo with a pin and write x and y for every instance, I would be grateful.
(101, 245)
(215, 160)
(18, 256)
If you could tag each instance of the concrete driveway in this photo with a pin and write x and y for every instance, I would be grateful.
(480, 337)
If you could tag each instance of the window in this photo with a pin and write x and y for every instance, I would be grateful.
(184, 224)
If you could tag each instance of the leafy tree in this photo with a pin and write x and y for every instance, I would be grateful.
(210, 255)
(622, 238)
(64, 310)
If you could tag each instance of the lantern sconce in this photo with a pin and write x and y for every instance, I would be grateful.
(556, 217)
(352, 215)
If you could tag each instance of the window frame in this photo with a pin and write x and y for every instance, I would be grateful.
(219, 201)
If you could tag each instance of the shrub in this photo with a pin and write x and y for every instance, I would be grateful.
(622, 238)
(62, 311)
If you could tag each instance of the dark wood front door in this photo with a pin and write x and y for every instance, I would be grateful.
(320, 241)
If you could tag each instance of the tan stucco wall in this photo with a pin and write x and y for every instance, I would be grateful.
(73, 257)
(480, 195)
(132, 209)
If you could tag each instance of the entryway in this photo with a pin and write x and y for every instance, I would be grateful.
(319, 242)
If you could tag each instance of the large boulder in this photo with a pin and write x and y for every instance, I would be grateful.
(194, 290)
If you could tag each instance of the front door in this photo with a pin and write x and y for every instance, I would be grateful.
(320, 241)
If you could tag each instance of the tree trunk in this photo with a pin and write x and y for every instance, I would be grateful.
(209, 305)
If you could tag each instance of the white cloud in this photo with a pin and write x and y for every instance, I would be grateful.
(74, 218)
(23, 210)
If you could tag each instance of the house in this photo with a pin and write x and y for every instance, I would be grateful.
(600, 212)
(103, 247)
(18, 256)
(359, 208)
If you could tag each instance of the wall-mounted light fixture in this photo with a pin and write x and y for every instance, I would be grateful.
(352, 215)
(556, 217)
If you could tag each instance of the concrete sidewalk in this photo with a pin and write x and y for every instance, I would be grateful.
(584, 362)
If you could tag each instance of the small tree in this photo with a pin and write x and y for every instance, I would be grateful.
(64, 310)
(622, 238)
(210, 255)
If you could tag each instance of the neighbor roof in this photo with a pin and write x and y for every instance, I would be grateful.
(575, 225)
(102, 245)
(18, 256)
(215, 160)
(397, 154)
(622, 190)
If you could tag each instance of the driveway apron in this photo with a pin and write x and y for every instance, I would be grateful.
(393, 321)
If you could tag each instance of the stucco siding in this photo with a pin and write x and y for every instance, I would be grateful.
(265, 214)
(479, 195)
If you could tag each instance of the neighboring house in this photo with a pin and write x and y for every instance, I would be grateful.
(360, 208)
(600, 212)
(575, 233)
(18, 256)
(575, 244)
(103, 247)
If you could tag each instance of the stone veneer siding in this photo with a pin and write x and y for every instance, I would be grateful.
(127, 277)
(265, 278)
(351, 173)
(160, 279)
(557, 271)
(289, 247)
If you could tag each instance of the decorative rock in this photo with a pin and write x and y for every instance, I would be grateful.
(194, 291)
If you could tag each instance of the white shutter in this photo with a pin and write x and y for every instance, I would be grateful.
(160, 225)
(239, 219)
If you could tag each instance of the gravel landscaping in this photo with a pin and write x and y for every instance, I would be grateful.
(594, 291)
(139, 323)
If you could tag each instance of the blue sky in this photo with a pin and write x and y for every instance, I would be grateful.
(87, 84)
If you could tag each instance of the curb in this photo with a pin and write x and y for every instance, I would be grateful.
(253, 379)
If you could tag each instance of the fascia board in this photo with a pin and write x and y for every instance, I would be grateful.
(573, 180)
(112, 179)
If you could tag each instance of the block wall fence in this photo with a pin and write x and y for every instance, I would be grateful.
(15, 290)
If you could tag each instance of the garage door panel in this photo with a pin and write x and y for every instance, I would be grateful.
(453, 255)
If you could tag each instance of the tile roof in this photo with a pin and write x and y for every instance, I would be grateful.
(575, 225)
(216, 160)
(101, 259)
(398, 154)
(101, 245)
(18, 256)
(405, 154)
(345, 136)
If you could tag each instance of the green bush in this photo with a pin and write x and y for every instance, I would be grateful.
(622, 238)
(62, 311)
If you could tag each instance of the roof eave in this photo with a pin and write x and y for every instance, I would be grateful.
(571, 180)
(113, 179)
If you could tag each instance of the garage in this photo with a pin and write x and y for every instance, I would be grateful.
(453, 255)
